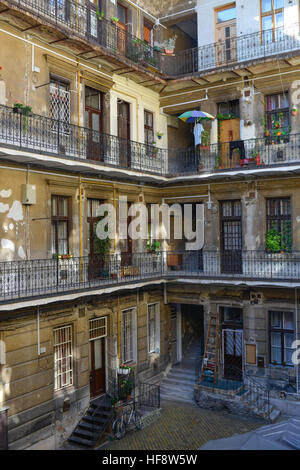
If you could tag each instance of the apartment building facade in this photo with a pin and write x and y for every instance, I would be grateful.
(89, 114)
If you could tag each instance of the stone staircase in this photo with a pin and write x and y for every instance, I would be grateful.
(178, 385)
(93, 424)
(258, 405)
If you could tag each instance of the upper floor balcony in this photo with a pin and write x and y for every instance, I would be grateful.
(56, 277)
(57, 144)
(81, 20)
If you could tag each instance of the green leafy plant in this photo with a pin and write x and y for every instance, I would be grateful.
(153, 246)
(225, 117)
(159, 135)
(101, 247)
(115, 19)
(205, 138)
(100, 14)
(273, 240)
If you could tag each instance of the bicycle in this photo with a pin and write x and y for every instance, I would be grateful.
(128, 417)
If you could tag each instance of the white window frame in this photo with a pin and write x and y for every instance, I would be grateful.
(156, 329)
(131, 356)
(59, 369)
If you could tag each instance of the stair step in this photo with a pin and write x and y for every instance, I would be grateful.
(274, 414)
(89, 426)
(81, 441)
(83, 433)
(96, 419)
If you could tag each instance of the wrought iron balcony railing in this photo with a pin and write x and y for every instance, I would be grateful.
(42, 277)
(82, 19)
(39, 134)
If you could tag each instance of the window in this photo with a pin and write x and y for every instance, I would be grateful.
(230, 107)
(98, 328)
(226, 14)
(148, 127)
(277, 118)
(60, 105)
(271, 18)
(63, 372)
(60, 225)
(233, 316)
(128, 332)
(279, 218)
(122, 13)
(281, 337)
(153, 328)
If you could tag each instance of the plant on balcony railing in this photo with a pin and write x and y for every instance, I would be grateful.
(115, 20)
(279, 241)
(153, 247)
(100, 14)
(101, 249)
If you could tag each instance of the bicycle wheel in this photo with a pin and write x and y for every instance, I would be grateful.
(118, 428)
(138, 420)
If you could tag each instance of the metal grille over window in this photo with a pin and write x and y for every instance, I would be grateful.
(60, 106)
(63, 373)
(98, 328)
(127, 332)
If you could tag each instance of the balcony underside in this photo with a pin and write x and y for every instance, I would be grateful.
(58, 35)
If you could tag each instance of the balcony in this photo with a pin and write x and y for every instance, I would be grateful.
(77, 20)
(48, 277)
(48, 137)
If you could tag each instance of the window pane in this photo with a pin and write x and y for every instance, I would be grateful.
(288, 323)
(267, 23)
(288, 353)
(275, 319)
(266, 5)
(288, 340)
(278, 20)
(276, 355)
(276, 340)
(278, 4)
(226, 15)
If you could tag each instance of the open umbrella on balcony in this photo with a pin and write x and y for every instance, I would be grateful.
(196, 116)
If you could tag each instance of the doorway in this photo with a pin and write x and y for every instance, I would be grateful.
(124, 133)
(192, 325)
(231, 236)
(97, 356)
(226, 50)
(94, 122)
(97, 260)
(122, 29)
(232, 342)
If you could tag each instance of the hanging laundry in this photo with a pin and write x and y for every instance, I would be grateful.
(198, 129)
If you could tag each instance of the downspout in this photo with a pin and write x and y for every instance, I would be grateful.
(80, 228)
(297, 362)
(119, 331)
(38, 331)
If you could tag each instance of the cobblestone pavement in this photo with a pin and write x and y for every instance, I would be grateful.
(184, 426)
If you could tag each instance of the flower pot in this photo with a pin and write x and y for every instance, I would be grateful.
(169, 51)
(122, 371)
(204, 147)
(294, 112)
(159, 136)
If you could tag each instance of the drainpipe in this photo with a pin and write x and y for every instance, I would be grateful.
(297, 364)
(38, 331)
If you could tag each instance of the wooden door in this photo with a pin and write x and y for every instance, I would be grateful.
(124, 133)
(93, 121)
(97, 367)
(122, 29)
(233, 353)
(231, 237)
(126, 249)
(96, 264)
(226, 42)
(229, 132)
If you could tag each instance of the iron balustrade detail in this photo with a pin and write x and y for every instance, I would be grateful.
(47, 136)
(83, 20)
(44, 277)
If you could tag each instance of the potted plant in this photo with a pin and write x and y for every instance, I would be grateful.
(294, 111)
(205, 140)
(154, 150)
(153, 247)
(159, 135)
(169, 45)
(101, 248)
(114, 20)
(100, 14)
(247, 123)
(158, 47)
